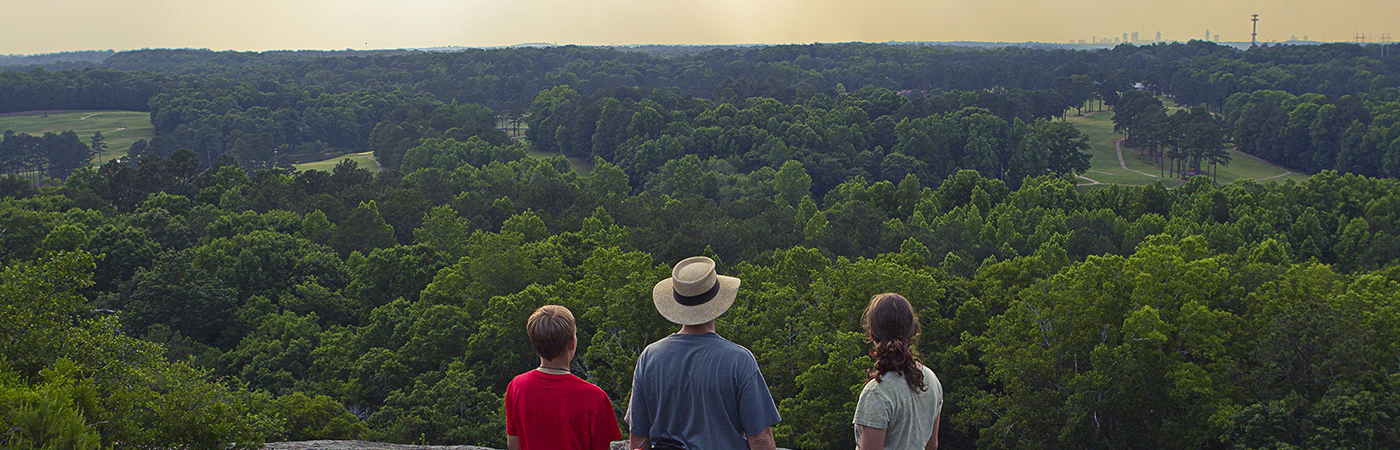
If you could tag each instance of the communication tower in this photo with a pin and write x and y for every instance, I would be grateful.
(1253, 35)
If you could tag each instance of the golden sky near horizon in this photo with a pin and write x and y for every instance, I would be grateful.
(46, 26)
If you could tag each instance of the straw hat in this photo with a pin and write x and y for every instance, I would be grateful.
(694, 294)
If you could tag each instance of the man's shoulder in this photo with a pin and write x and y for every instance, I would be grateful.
(709, 343)
(708, 340)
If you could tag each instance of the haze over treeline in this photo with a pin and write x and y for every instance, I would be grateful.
(199, 293)
(272, 25)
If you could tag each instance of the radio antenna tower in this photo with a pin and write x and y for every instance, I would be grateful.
(1255, 34)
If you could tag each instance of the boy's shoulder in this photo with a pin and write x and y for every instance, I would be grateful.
(537, 379)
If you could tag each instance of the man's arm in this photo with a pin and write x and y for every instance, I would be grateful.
(512, 442)
(763, 440)
(636, 442)
(933, 440)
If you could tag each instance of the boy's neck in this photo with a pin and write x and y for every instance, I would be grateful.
(557, 366)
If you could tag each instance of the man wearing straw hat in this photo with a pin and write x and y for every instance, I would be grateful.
(694, 389)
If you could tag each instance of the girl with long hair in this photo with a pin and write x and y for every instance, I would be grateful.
(900, 404)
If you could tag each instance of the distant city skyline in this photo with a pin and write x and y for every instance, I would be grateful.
(48, 26)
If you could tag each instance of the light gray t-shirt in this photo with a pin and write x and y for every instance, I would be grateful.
(906, 416)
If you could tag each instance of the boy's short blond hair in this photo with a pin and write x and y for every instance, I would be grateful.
(550, 328)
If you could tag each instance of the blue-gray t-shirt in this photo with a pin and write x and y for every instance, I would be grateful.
(702, 390)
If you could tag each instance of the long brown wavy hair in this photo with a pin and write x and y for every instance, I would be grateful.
(890, 324)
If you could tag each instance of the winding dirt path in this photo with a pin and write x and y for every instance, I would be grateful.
(370, 155)
(1118, 144)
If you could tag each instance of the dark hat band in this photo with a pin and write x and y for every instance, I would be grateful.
(694, 300)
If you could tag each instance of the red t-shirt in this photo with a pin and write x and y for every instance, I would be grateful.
(559, 412)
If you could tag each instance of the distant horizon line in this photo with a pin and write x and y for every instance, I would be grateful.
(552, 44)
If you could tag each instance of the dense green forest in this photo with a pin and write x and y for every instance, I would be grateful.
(198, 294)
(277, 108)
(1122, 316)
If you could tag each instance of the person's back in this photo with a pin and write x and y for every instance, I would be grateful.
(549, 408)
(559, 411)
(908, 416)
(709, 387)
(695, 390)
(900, 405)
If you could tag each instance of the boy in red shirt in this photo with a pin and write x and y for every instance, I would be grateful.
(549, 408)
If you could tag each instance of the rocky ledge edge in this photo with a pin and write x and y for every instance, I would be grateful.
(366, 445)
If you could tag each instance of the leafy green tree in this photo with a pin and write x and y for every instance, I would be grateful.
(685, 177)
(183, 296)
(276, 355)
(793, 184)
(606, 179)
(97, 143)
(1200, 137)
(1104, 365)
(65, 153)
(362, 230)
(64, 238)
(320, 417)
(315, 227)
(268, 263)
(443, 230)
(119, 385)
(42, 299)
(59, 413)
(443, 407)
(1066, 146)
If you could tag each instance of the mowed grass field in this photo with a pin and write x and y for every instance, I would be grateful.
(119, 128)
(1104, 166)
(365, 160)
(516, 131)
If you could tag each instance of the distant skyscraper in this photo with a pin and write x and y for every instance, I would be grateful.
(1135, 37)
(1207, 34)
(1125, 38)
(1159, 37)
(1217, 38)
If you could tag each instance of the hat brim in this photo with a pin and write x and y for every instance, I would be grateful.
(664, 296)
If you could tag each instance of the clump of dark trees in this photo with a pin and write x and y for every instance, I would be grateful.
(192, 296)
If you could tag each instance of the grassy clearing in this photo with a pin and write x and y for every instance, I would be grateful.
(582, 166)
(120, 128)
(514, 128)
(365, 160)
(1105, 168)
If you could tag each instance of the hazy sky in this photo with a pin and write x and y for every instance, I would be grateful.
(44, 26)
